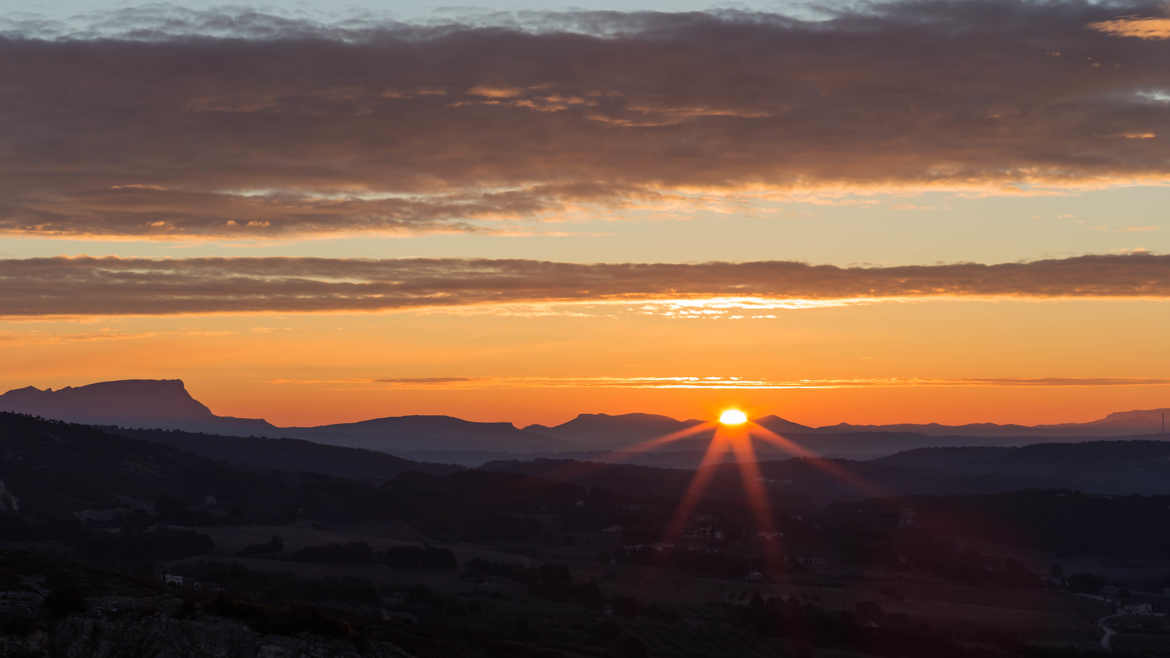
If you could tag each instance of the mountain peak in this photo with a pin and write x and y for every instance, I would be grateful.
(1138, 413)
(633, 416)
(778, 424)
(1136, 419)
(113, 402)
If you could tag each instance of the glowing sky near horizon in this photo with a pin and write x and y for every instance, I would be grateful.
(322, 185)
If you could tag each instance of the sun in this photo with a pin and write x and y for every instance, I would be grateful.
(732, 417)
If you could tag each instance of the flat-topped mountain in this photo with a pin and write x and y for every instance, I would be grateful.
(161, 403)
(165, 400)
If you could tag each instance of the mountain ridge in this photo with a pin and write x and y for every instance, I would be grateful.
(166, 404)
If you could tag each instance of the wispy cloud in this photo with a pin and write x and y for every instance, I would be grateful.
(104, 335)
(424, 380)
(1140, 28)
(161, 122)
(731, 383)
(116, 286)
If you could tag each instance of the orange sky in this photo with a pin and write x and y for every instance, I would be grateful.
(318, 218)
(485, 365)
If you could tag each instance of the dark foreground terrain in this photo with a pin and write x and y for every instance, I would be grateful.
(157, 543)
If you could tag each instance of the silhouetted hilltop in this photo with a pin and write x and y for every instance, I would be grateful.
(1140, 421)
(289, 455)
(166, 404)
(781, 425)
(606, 432)
(132, 403)
(414, 434)
(1121, 423)
(588, 435)
(65, 470)
(58, 471)
(931, 429)
(1109, 467)
(107, 402)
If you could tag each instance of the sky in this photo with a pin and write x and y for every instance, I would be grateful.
(928, 210)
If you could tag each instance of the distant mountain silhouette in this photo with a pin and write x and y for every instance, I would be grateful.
(144, 399)
(1122, 423)
(166, 404)
(425, 434)
(161, 403)
(782, 426)
(593, 436)
(608, 432)
(1144, 421)
(67, 471)
(58, 469)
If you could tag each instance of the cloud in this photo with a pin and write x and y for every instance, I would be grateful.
(424, 380)
(162, 122)
(1141, 28)
(105, 335)
(115, 286)
(735, 383)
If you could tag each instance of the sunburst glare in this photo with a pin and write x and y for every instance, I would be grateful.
(732, 417)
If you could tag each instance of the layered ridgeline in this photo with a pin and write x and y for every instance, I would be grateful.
(166, 404)
(51, 469)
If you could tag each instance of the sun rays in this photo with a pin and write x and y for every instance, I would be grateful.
(624, 453)
(823, 464)
(733, 437)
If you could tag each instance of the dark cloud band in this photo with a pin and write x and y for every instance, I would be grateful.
(113, 286)
(163, 122)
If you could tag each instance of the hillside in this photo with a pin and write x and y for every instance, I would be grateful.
(55, 469)
(289, 455)
(60, 470)
(1108, 467)
(1100, 467)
